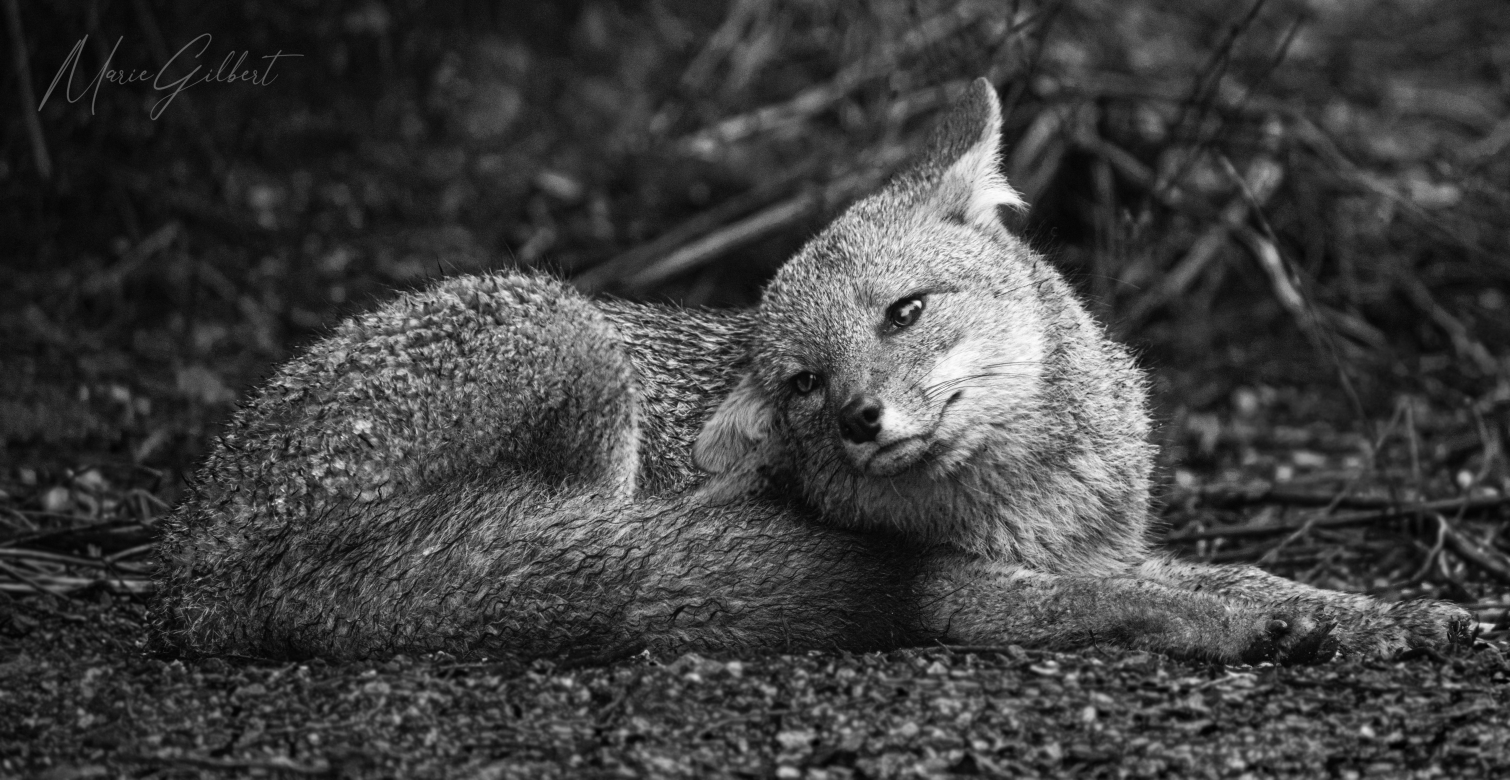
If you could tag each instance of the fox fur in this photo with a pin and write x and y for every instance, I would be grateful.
(498, 467)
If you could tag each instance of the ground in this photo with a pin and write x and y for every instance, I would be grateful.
(1293, 213)
(87, 703)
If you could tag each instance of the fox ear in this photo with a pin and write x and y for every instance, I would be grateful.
(963, 160)
(739, 424)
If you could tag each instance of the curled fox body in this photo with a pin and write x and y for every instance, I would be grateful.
(918, 436)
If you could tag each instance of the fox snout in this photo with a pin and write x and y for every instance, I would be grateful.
(860, 418)
(881, 434)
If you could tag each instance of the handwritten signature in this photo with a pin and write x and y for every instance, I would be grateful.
(227, 72)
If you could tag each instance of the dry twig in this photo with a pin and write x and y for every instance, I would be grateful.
(610, 274)
(1463, 343)
(29, 118)
(1260, 183)
(1487, 560)
(765, 222)
(821, 96)
(272, 764)
(1345, 519)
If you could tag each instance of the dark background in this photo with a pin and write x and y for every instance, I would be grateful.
(1296, 212)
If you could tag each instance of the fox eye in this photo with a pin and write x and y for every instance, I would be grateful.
(905, 312)
(806, 382)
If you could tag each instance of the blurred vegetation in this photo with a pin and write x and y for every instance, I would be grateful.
(1295, 210)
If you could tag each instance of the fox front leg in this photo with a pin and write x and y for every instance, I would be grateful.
(1364, 626)
(973, 601)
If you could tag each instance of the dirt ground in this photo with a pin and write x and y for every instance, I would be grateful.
(1293, 211)
(83, 701)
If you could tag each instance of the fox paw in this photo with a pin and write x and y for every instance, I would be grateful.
(1423, 624)
(1290, 636)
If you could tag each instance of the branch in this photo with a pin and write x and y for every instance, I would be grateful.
(1495, 565)
(28, 98)
(765, 222)
(1345, 519)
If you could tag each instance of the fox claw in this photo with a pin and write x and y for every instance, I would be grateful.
(1418, 625)
(1293, 639)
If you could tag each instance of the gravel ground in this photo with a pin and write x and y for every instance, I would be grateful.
(78, 699)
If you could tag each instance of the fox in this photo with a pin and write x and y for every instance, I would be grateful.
(918, 436)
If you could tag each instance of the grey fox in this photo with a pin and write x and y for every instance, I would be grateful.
(919, 436)
(928, 374)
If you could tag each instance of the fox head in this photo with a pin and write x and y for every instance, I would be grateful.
(920, 369)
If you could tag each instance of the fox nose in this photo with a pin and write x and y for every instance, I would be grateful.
(860, 418)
